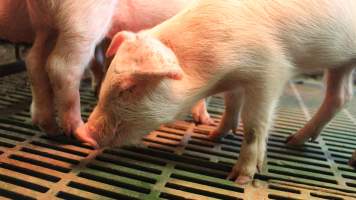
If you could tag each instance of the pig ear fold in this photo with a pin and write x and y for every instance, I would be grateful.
(163, 64)
(145, 75)
(117, 41)
(175, 74)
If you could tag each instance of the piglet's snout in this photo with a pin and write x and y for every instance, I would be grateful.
(85, 135)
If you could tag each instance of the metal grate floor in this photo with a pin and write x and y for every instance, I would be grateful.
(176, 161)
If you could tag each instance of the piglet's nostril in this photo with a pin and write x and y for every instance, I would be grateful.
(84, 135)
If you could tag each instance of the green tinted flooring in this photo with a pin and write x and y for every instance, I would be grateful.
(177, 161)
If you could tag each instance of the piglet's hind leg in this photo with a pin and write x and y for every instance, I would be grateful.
(338, 93)
(42, 107)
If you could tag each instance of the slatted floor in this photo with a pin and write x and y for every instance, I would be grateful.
(177, 161)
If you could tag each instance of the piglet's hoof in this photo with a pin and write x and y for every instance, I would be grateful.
(202, 118)
(70, 124)
(200, 114)
(217, 135)
(304, 135)
(352, 161)
(45, 122)
(239, 179)
(52, 131)
(242, 174)
(50, 128)
(295, 141)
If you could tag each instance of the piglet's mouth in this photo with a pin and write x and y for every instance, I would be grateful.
(83, 134)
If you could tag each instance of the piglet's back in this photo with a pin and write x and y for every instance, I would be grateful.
(312, 33)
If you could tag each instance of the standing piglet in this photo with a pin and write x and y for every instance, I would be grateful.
(248, 49)
(16, 27)
(135, 16)
(66, 33)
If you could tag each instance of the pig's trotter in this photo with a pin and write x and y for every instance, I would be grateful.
(299, 138)
(44, 120)
(70, 123)
(217, 135)
(200, 113)
(247, 165)
(226, 125)
(241, 173)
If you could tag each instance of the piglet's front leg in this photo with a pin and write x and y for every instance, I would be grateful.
(257, 112)
(65, 69)
(42, 106)
(230, 119)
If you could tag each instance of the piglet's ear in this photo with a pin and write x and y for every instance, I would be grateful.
(159, 63)
(144, 76)
(117, 41)
(149, 60)
(175, 74)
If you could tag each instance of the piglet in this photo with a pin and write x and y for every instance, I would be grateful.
(66, 33)
(16, 27)
(141, 15)
(248, 49)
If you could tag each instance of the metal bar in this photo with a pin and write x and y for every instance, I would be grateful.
(12, 68)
